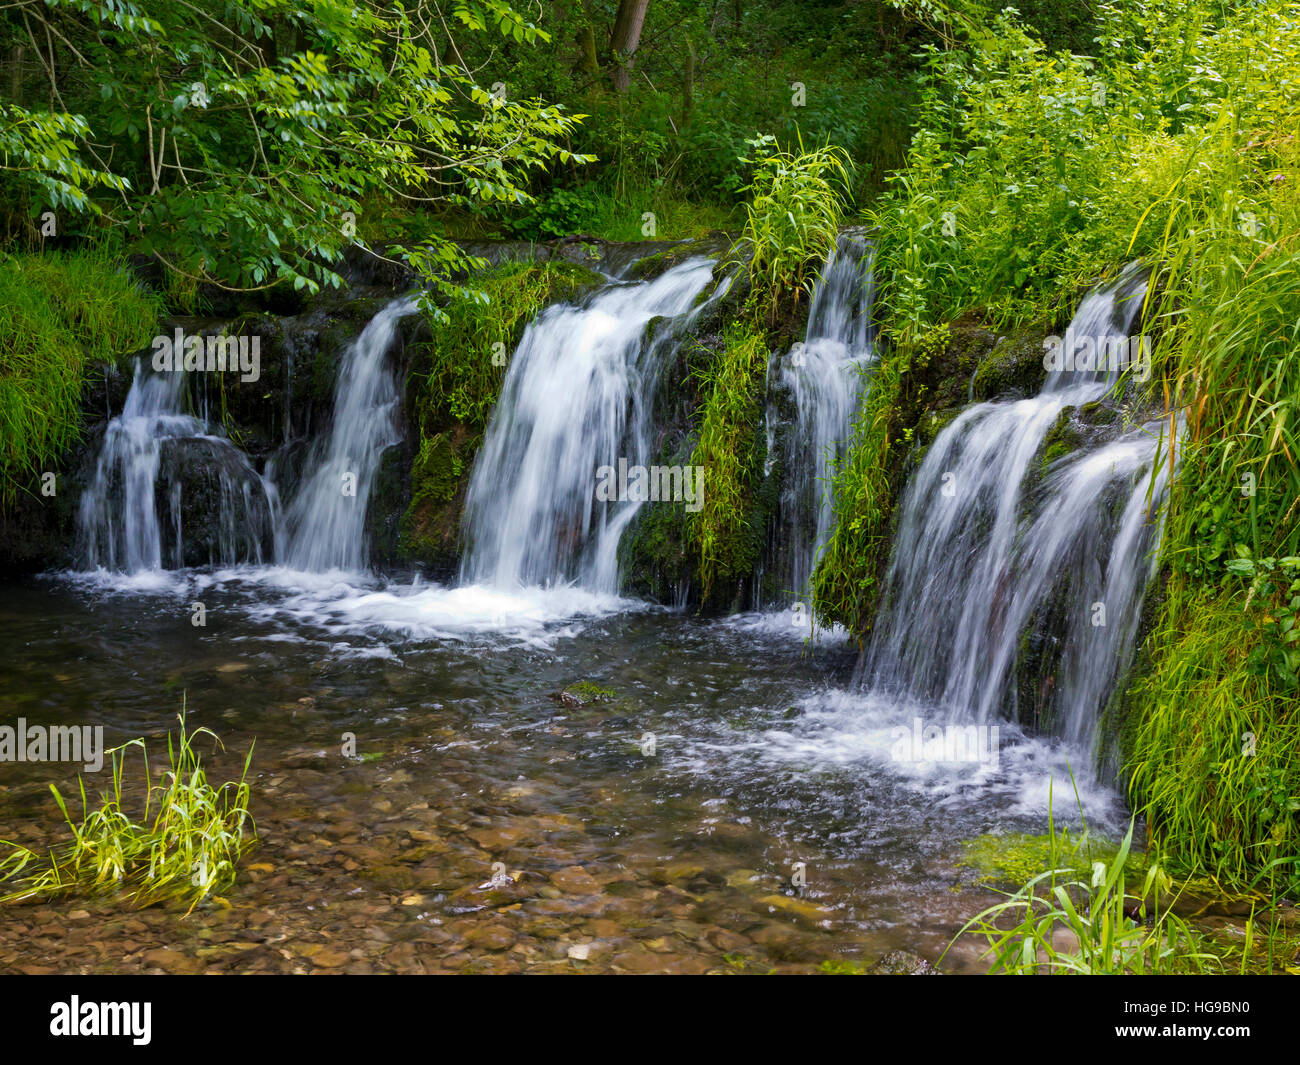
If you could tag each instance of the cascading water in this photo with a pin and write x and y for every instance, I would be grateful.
(120, 523)
(824, 378)
(970, 569)
(576, 397)
(154, 456)
(325, 524)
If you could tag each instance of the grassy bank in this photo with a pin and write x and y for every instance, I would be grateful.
(60, 313)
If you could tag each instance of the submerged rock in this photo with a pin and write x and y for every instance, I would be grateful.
(903, 963)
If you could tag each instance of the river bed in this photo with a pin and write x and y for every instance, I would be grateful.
(731, 805)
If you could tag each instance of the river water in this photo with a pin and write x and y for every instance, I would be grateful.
(762, 757)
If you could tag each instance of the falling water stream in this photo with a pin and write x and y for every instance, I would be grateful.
(576, 398)
(824, 376)
(119, 522)
(326, 521)
(980, 548)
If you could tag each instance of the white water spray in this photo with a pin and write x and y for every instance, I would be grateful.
(576, 397)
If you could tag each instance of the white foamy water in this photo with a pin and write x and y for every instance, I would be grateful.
(535, 616)
(825, 377)
(576, 398)
(789, 624)
(863, 734)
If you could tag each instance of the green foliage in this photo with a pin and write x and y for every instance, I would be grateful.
(707, 78)
(44, 147)
(797, 207)
(237, 141)
(184, 848)
(59, 313)
(729, 451)
(1275, 593)
(1212, 738)
(591, 208)
(1031, 173)
(560, 212)
(1059, 924)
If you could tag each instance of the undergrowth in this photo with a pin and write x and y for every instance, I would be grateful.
(60, 313)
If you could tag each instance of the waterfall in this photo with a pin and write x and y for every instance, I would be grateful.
(824, 377)
(576, 397)
(147, 448)
(991, 546)
(325, 523)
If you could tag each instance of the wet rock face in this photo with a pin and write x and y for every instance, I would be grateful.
(1012, 367)
(212, 505)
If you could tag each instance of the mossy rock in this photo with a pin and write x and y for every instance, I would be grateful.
(1062, 439)
(1013, 859)
(653, 266)
(429, 531)
(1013, 366)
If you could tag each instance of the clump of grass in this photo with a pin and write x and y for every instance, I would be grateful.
(183, 848)
(59, 313)
(1059, 923)
(797, 206)
(728, 452)
(1211, 741)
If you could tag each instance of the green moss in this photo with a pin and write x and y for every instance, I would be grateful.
(844, 967)
(429, 529)
(725, 535)
(1062, 439)
(1015, 364)
(653, 554)
(1016, 857)
(59, 314)
(587, 691)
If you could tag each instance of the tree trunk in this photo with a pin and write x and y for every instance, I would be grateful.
(587, 42)
(16, 56)
(624, 41)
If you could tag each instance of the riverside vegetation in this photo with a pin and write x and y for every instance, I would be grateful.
(274, 161)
